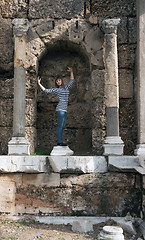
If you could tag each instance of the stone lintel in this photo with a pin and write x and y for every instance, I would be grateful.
(110, 25)
(20, 26)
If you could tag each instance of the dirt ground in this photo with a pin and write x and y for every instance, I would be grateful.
(32, 230)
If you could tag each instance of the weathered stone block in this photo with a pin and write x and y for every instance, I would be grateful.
(7, 90)
(98, 82)
(125, 83)
(57, 9)
(127, 226)
(128, 127)
(85, 164)
(94, 40)
(122, 30)
(7, 198)
(122, 163)
(81, 120)
(13, 8)
(15, 178)
(6, 46)
(113, 8)
(31, 85)
(126, 56)
(6, 111)
(132, 26)
(82, 226)
(5, 136)
(31, 114)
(49, 180)
(31, 136)
(28, 164)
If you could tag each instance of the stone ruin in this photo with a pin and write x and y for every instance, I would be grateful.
(105, 125)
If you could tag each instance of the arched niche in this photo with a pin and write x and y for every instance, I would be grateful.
(78, 130)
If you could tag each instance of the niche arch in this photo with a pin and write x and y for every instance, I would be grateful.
(78, 132)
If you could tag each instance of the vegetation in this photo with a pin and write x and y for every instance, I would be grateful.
(41, 152)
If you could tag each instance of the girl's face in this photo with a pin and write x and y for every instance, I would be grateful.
(59, 82)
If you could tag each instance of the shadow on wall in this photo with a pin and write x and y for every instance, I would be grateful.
(78, 130)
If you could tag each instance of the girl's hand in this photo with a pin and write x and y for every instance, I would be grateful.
(38, 80)
(69, 69)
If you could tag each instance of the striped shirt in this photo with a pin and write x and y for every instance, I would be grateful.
(63, 95)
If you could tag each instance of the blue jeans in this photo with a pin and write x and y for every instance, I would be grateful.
(61, 119)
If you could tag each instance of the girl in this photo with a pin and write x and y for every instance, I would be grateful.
(62, 92)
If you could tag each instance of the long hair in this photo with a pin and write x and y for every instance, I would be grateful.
(58, 77)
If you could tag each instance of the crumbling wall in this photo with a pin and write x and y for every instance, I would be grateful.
(54, 194)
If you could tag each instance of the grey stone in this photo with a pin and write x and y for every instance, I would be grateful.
(142, 229)
(125, 83)
(132, 25)
(126, 56)
(19, 102)
(122, 36)
(42, 179)
(123, 163)
(57, 9)
(13, 9)
(112, 114)
(6, 46)
(82, 226)
(85, 164)
(127, 226)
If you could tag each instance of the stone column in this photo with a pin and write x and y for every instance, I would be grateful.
(140, 148)
(113, 145)
(18, 144)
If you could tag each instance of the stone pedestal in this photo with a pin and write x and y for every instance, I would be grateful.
(112, 233)
(61, 151)
(140, 148)
(113, 144)
(19, 145)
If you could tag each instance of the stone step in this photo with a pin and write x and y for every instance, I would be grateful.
(68, 164)
(123, 163)
(80, 164)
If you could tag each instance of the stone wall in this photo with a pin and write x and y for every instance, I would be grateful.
(54, 194)
(79, 22)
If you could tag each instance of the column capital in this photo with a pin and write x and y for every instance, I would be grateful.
(110, 25)
(20, 25)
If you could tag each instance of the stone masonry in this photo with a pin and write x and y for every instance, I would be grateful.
(69, 33)
(70, 186)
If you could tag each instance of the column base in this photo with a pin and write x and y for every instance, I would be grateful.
(18, 146)
(140, 150)
(61, 151)
(113, 145)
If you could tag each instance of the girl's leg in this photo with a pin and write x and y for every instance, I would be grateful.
(61, 120)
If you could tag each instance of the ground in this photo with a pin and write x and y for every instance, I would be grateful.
(31, 230)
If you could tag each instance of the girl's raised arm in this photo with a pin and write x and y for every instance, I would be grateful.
(40, 85)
